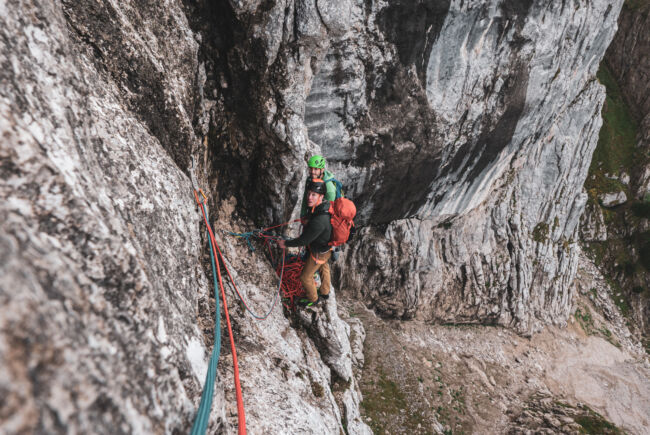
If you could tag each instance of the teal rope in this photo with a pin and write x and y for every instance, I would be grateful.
(203, 414)
(247, 236)
(255, 233)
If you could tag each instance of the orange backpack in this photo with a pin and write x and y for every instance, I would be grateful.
(341, 211)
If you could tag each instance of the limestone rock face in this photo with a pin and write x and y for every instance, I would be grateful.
(105, 321)
(613, 199)
(592, 226)
(462, 129)
(492, 133)
(98, 244)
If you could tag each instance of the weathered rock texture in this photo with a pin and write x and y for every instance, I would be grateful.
(470, 158)
(463, 130)
(99, 243)
(105, 321)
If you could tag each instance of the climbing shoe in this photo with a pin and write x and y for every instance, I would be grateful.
(325, 297)
(306, 303)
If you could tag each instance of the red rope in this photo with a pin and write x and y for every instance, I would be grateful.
(281, 225)
(292, 288)
(289, 270)
(240, 402)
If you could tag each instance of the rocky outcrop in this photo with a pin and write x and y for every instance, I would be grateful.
(106, 318)
(620, 173)
(463, 130)
(612, 199)
(485, 159)
(546, 414)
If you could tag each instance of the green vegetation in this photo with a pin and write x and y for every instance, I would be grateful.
(586, 321)
(624, 256)
(458, 400)
(540, 232)
(388, 401)
(593, 423)
(589, 420)
(616, 149)
(583, 316)
(619, 299)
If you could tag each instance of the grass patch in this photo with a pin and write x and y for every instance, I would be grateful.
(594, 423)
(540, 232)
(616, 149)
(583, 316)
(586, 321)
(387, 402)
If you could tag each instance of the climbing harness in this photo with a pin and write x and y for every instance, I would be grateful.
(316, 258)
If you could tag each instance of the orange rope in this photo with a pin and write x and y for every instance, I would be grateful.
(240, 402)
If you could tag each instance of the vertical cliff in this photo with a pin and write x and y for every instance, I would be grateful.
(469, 159)
(463, 130)
(106, 315)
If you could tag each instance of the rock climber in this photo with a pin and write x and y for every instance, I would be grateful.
(316, 236)
(317, 171)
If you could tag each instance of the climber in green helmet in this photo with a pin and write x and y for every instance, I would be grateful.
(317, 171)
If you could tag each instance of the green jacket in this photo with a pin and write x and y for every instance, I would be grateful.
(318, 231)
(330, 195)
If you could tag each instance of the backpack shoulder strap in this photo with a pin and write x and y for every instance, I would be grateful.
(337, 184)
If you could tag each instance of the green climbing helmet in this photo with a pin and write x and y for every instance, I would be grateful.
(317, 162)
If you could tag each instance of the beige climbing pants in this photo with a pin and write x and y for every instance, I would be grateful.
(316, 263)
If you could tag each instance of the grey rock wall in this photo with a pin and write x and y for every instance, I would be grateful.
(105, 315)
(467, 157)
(463, 130)
(98, 241)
